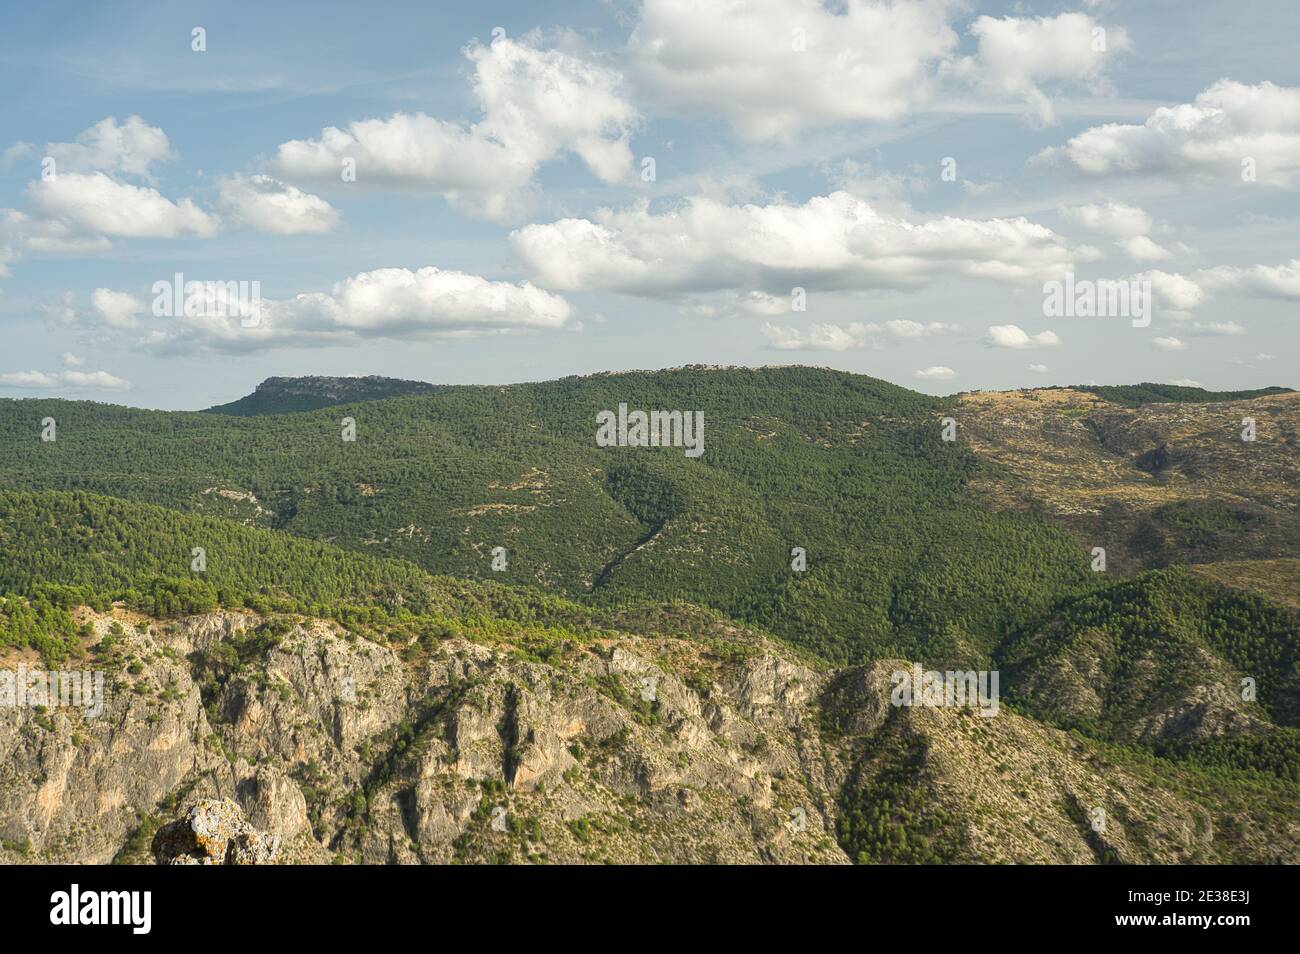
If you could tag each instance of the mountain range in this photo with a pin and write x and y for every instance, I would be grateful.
(418, 604)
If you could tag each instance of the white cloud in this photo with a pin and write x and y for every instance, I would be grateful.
(853, 337)
(1110, 218)
(80, 380)
(537, 104)
(742, 61)
(1018, 56)
(979, 188)
(818, 337)
(935, 373)
(95, 204)
(116, 309)
(94, 380)
(1185, 383)
(77, 203)
(70, 360)
(1228, 122)
(269, 205)
(1038, 368)
(761, 303)
(18, 151)
(1264, 281)
(890, 191)
(1142, 249)
(129, 149)
(20, 231)
(1013, 336)
(906, 328)
(545, 102)
(28, 379)
(829, 242)
(391, 303)
(1128, 224)
(1169, 344)
(1176, 294)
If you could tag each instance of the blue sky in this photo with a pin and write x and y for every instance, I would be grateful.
(500, 226)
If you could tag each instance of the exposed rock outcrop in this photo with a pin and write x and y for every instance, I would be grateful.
(226, 738)
(214, 832)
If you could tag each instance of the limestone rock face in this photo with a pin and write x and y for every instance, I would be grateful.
(273, 801)
(74, 783)
(227, 738)
(214, 832)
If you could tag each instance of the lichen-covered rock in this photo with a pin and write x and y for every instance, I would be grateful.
(214, 832)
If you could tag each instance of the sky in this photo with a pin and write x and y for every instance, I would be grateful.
(501, 192)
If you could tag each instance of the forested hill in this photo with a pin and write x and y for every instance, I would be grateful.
(285, 395)
(913, 545)
(850, 469)
(387, 730)
(1156, 662)
(1135, 395)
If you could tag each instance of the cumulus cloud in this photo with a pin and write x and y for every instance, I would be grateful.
(130, 148)
(903, 328)
(1263, 281)
(1013, 336)
(1019, 56)
(1110, 218)
(116, 309)
(755, 302)
(772, 67)
(935, 373)
(22, 232)
(1038, 368)
(1175, 297)
(96, 204)
(817, 337)
(1176, 294)
(78, 203)
(265, 204)
(1142, 248)
(890, 191)
(391, 303)
(17, 152)
(1127, 224)
(852, 337)
(537, 104)
(77, 380)
(1229, 122)
(1169, 344)
(829, 242)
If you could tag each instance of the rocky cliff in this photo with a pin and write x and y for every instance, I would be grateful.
(721, 746)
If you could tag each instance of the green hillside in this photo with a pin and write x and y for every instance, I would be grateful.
(1136, 395)
(1159, 660)
(900, 558)
(289, 395)
(67, 549)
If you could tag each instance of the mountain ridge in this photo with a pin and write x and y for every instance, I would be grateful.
(497, 589)
(285, 395)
